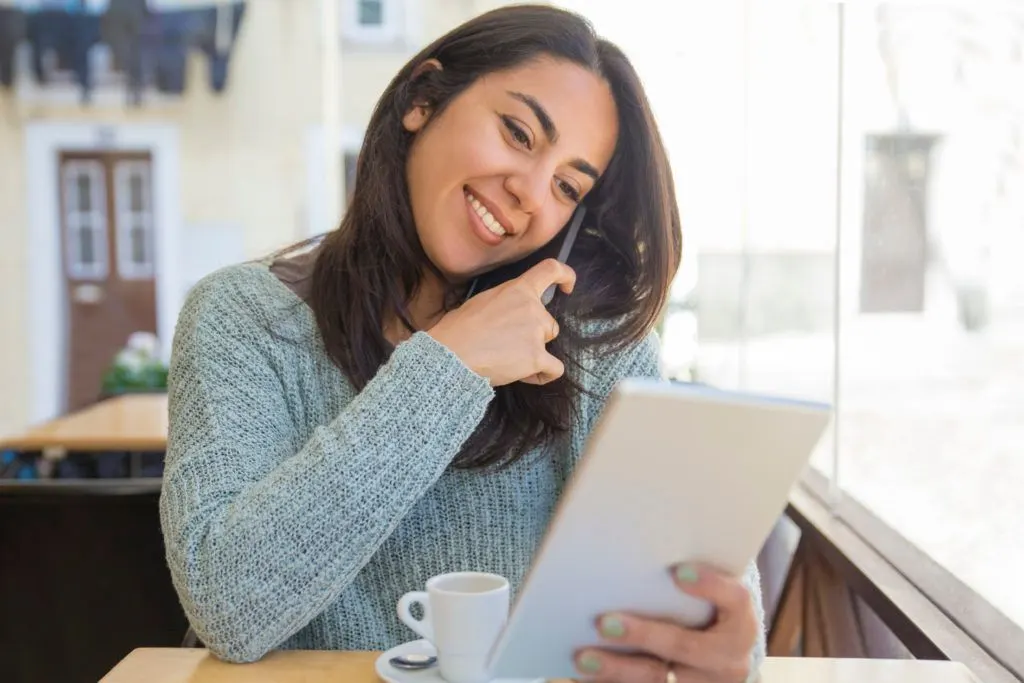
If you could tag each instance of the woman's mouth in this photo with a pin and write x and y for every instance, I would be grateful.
(486, 217)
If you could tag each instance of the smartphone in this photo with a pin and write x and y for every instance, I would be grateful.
(559, 248)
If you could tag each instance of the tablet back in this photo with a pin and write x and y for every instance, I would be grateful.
(671, 472)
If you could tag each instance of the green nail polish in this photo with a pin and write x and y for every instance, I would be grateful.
(589, 663)
(612, 627)
(686, 573)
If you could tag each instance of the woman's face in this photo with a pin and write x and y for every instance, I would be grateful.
(501, 170)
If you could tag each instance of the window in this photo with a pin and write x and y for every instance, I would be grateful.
(855, 229)
(85, 218)
(372, 22)
(931, 372)
(371, 13)
(134, 220)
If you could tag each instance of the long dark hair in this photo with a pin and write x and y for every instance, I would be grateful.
(625, 257)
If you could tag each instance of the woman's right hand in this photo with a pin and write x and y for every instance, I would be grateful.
(502, 333)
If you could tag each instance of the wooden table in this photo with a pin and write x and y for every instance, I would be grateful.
(135, 422)
(132, 424)
(186, 665)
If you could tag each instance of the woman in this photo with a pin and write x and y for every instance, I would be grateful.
(344, 423)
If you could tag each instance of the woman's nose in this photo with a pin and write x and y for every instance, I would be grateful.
(528, 190)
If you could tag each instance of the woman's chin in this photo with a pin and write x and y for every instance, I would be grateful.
(457, 274)
(461, 271)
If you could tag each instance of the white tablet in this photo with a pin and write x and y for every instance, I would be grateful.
(671, 472)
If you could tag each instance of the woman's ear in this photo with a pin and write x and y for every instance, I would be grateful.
(416, 117)
(419, 113)
(425, 66)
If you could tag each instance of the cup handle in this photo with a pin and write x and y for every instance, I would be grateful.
(420, 626)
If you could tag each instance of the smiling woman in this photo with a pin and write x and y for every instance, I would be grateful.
(519, 115)
(331, 451)
(499, 174)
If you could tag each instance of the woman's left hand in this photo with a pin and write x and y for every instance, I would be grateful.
(718, 654)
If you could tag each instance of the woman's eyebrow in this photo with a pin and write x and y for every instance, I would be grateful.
(551, 131)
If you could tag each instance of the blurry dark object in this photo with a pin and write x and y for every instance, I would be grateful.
(70, 36)
(211, 30)
(150, 48)
(110, 465)
(216, 40)
(14, 466)
(171, 32)
(83, 580)
(12, 31)
(82, 465)
(121, 28)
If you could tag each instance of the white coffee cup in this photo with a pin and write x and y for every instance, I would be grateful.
(463, 615)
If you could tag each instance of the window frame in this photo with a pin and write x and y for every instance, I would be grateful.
(927, 608)
(389, 32)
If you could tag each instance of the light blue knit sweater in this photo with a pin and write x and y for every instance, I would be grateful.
(296, 511)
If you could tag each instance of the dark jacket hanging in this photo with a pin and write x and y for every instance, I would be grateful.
(12, 32)
(121, 27)
(212, 30)
(70, 36)
(217, 38)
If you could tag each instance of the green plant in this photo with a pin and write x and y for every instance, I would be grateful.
(137, 367)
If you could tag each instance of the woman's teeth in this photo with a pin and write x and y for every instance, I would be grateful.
(489, 221)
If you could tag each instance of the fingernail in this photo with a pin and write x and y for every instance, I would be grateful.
(612, 627)
(687, 573)
(589, 663)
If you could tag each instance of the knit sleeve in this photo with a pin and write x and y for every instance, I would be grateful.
(264, 531)
(642, 360)
(752, 580)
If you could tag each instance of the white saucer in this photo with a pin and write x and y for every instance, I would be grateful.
(432, 675)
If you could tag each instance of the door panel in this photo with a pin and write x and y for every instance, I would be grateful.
(85, 217)
(109, 258)
(134, 220)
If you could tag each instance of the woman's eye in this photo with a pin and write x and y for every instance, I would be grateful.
(569, 191)
(516, 131)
